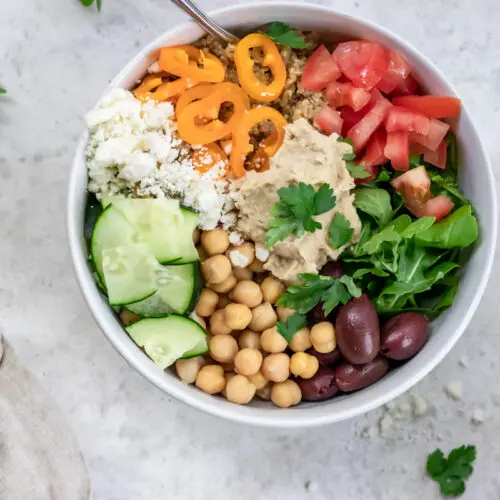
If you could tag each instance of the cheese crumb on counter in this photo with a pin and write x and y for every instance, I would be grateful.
(477, 416)
(134, 151)
(455, 390)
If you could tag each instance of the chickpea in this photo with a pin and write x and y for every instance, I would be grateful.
(242, 274)
(226, 286)
(286, 394)
(224, 300)
(188, 369)
(284, 313)
(242, 255)
(272, 289)
(237, 316)
(263, 317)
(223, 348)
(217, 325)
(276, 367)
(300, 341)
(207, 303)
(248, 361)
(304, 365)
(215, 241)
(256, 266)
(228, 377)
(249, 339)
(258, 380)
(248, 293)
(216, 269)
(196, 236)
(271, 341)
(323, 337)
(202, 253)
(240, 390)
(265, 392)
(211, 379)
(127, 317)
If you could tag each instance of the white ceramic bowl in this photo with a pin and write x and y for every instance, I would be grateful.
(476, 180)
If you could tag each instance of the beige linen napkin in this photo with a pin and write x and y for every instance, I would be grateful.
(39, 456)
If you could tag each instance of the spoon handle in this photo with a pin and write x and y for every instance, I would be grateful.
(204, 21)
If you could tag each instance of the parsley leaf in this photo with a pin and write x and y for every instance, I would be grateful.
(356, 170)
(451, 472)
(88, 3)
(339, 231)
(294, 213)
(293, 324)
(283, 34)
(317, 288)
(2, 91)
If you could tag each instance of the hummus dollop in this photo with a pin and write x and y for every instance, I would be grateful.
(305, 156)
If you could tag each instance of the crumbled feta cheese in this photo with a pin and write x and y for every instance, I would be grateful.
(154, 68)
(134, 150)
(238, 259)
(261, 253)
(477, 416)
(454, 390)
(235, 238)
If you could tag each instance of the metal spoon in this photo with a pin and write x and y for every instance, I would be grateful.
(205, 22)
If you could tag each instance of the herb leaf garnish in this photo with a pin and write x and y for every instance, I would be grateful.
(282, 33)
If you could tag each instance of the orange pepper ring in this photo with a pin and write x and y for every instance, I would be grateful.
(209, 107)
(211, 151)
(177, 59)
(256, 88)
(241, 139)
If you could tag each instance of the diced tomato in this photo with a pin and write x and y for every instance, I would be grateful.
(408, 87)
(329, 120)
(374, 153)
(320, 69)
(397, 149)
(363, 62)
(363, 130)
(399, 68)
(414, 184)
(418, 149)
(433, 139)
(352, 117)
(430, 105)
(401, 119)
(345, 94)
(438, 207)
(438, 157)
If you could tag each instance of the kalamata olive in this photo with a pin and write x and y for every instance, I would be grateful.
(358, 331)
(334, 269)
(325, 359)
(316, 315)
(404, 335)
(351, 377)
(320, 387)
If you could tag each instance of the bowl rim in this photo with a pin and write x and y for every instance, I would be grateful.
(277, 418)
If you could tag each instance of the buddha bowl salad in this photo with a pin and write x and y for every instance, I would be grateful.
(278, 218)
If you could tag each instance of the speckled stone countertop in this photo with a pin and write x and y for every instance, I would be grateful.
(56, 58)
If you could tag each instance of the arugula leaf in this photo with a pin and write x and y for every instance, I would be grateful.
(415, 160)
(447, 184)
(284, 35)
(383, 176)
(458, 230)
(388, 234)
(356, 170)
(451, 472)
(317, 288)
(294, 213)
(418, 226)
(293, 324)
(452, 152)
(340, 231)
(2, 91)
(375, 202)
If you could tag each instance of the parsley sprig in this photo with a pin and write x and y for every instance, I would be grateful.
(88, 3)
(452, 472)
(291, 326)
(339, 231)
(293, 214)
(284, 35)
(317, 288)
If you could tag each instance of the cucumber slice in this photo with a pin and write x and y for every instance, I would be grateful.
(180, 288)
(167, 339)
(93, 211)
(130, 272)
(111, 230)
(163, 224)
